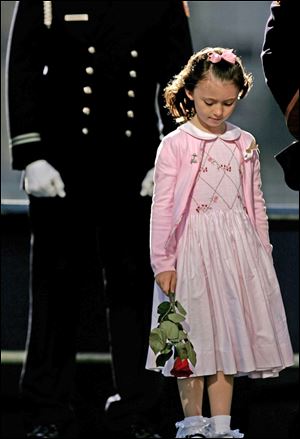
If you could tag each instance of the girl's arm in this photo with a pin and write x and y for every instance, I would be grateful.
(261, 219)
(167, 281)
(165, 176)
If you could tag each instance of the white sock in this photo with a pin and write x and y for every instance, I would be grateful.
(190, 425)
(192, 420)
(221, 423)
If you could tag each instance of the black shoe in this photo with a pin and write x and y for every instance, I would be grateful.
(143, 432)
(44, 431)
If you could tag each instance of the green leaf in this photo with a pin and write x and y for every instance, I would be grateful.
(163, 358)
(170, 329)
(168, 347)
(180, 308)
(164, 307)
(160, 333)
(156, 340)
(191, 353)
(176, 318)
(182, 335)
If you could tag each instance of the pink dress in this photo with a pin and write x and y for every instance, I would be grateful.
(226, 280)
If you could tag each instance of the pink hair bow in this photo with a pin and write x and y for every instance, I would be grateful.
(227, 55)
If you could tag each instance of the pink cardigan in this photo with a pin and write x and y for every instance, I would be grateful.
(176, 167)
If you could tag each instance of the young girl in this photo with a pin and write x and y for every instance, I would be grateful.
(210, 242)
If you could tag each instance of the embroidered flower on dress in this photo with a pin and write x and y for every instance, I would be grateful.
(202, 207)
(225, 167)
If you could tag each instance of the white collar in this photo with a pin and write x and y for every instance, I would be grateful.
(232, 132)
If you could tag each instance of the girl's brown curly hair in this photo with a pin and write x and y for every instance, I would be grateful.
(197, 69)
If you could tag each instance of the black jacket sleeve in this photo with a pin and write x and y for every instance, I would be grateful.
(177, 48)
(279, 52)
(25, 65)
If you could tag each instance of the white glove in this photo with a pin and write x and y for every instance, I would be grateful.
(147, 184)
(42, 180)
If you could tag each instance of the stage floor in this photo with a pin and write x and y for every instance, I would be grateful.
(261, 408)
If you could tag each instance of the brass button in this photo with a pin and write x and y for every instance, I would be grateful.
(128, 133)
(134, 54)
(131, 93)
(87, 90)
(91, 49)
(132, 73)
(89, 70)
(85, 131)
(130, 114)
(86, 110)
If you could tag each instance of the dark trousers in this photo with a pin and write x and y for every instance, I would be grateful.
(129, 293)
(72, 246)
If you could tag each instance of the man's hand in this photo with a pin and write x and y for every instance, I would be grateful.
(166, 281)
(147, 184)
(42, 180)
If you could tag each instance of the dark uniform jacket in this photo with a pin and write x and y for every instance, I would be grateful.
(280, 52)
(281, 68)
(82, 82)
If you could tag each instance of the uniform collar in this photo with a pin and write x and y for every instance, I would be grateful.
(232, 132)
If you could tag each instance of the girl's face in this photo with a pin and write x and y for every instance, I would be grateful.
(214, 102)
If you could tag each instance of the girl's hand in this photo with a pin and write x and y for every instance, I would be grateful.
(166, 281)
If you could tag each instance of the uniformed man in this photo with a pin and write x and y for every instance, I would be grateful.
(280, 64)
(281, 68)
(83, 78)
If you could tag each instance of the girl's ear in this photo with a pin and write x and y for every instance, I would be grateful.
(189, 94)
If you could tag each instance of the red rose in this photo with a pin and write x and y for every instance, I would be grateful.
(181, 368)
